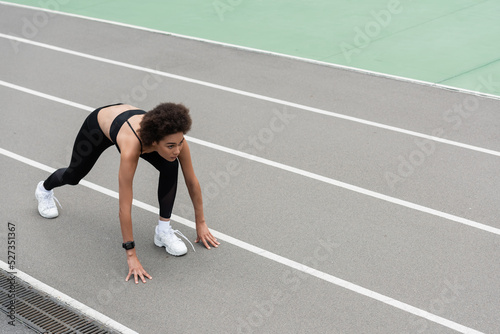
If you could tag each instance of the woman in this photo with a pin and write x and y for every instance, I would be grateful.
(156, 136)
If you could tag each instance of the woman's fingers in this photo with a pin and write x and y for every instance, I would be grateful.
(138, 273)
(208, 239)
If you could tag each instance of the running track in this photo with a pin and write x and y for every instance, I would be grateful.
(346, 202)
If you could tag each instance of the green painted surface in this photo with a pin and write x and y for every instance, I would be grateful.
(451, 42)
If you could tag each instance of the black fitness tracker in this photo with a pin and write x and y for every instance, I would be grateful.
(128, 245)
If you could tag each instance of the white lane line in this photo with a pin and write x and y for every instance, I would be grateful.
(294, 170)
(45, 96)
(72, 303)
(271, 256)
(265, 52)
(348, 186)
(255, 96)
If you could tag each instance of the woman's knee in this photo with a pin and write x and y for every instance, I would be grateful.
(71, 177)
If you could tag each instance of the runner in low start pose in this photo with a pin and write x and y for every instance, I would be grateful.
(156, 136)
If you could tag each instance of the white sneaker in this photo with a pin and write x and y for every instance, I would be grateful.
(173, 245)
(46, 202)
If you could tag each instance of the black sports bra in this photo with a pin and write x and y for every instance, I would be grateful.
(118, 122)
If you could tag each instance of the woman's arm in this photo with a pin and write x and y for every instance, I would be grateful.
(128, 165)
(126, 173)
(194, 190)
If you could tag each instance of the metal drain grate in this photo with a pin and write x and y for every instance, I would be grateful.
(42, 313)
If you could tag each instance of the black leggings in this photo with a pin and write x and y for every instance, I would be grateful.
(89, 145)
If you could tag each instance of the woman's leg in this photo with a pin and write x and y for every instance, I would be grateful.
(167, 188)
(167, 184)
(89, 144)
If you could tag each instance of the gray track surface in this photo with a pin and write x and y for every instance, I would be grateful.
(429, 262)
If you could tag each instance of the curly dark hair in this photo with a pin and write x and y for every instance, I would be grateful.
(165, 119)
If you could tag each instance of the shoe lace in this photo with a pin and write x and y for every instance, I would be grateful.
(182, 235)
(50, 196)
(56, 200)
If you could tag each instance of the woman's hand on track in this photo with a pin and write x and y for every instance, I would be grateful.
(135, 268)
(205, 236)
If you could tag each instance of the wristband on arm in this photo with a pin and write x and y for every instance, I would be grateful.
(128, 245)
